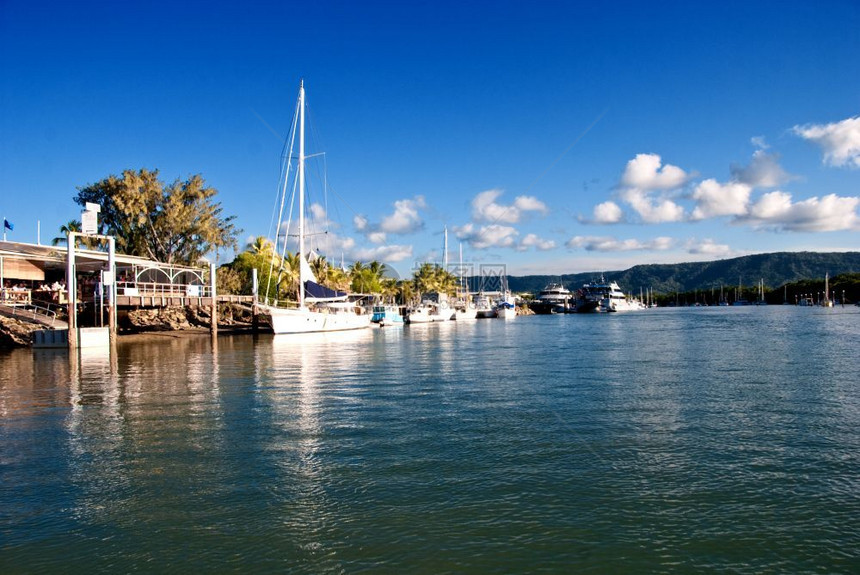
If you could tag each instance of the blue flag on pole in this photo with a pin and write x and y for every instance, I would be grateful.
(7, 224)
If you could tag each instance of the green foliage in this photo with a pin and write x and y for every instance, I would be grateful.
(177, 223)
(228, 280)
(278, 278)
(274, 276)
(74, 226)
(432, 278)
(367, 278)
(791, 292)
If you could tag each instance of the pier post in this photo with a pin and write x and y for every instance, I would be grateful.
(213, 321)
(71, 286)
(255, 319)
(111, 289)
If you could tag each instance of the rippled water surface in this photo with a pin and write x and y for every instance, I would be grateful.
(688, 440)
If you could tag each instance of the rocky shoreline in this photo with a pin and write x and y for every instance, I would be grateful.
(168, 320)
(16, 333)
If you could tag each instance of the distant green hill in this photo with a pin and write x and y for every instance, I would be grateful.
(775, 269)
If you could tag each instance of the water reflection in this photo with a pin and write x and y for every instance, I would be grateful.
(568, 442)
(301, 384)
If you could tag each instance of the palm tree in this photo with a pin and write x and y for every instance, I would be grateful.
(72, 226)
(337, 279)
(389, 288)
(261, 246)
(432, 278)
(405, 291)
(319, 266)
(289, 275)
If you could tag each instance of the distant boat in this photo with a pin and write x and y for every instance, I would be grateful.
(384, 315)
(464, 307)
(589, 296)
(827, 302)
(483, 308)
(506, 310)
(465, 311)
(319, 308)
(761, 300)
(554, 298)
(740, 299)
(615, 301)
(433, 308)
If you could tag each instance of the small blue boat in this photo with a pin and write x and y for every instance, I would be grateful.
(384, 315)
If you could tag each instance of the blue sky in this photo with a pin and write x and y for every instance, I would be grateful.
(551, 137)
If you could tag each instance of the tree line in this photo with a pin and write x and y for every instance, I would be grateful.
(181, 221)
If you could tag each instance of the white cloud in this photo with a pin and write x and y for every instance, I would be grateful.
(763, 171)
(827, 214)
(530, 204)
(653, 210)
(644, 175)
(611, 244)
(715, 199)
(607, 213)
(392, 253)
(759, 142)
(493, 235)
(708, 247)
(533, 241)
(318, 212)
(645, 172)
(406, 218)
(839, 140)
(485, 208)
(377, 237)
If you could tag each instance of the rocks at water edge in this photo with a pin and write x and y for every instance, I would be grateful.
(14, 333)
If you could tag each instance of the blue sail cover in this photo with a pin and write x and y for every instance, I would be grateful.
(319, 292)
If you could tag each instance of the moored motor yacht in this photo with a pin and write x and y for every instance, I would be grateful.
(554, 298)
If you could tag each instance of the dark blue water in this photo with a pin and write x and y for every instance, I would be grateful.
(677, 441)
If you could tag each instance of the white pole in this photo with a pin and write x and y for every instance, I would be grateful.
(213, 282)
(445, 248)
(301, 192)
(111, 289)
(72, 289)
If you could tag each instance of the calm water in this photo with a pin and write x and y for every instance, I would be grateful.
(689, 440)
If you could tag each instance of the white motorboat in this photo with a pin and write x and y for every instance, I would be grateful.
(506, 310)
(615, 300)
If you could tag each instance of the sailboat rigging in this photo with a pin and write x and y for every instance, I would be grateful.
(319, 308)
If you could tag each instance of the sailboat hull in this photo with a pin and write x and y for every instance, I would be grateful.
(308, 321)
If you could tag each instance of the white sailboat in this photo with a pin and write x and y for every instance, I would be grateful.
(464, 307)
(506, 307)
(320, 309)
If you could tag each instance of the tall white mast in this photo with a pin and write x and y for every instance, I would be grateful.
(462, 279)
(301, 192)
(445, 249)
